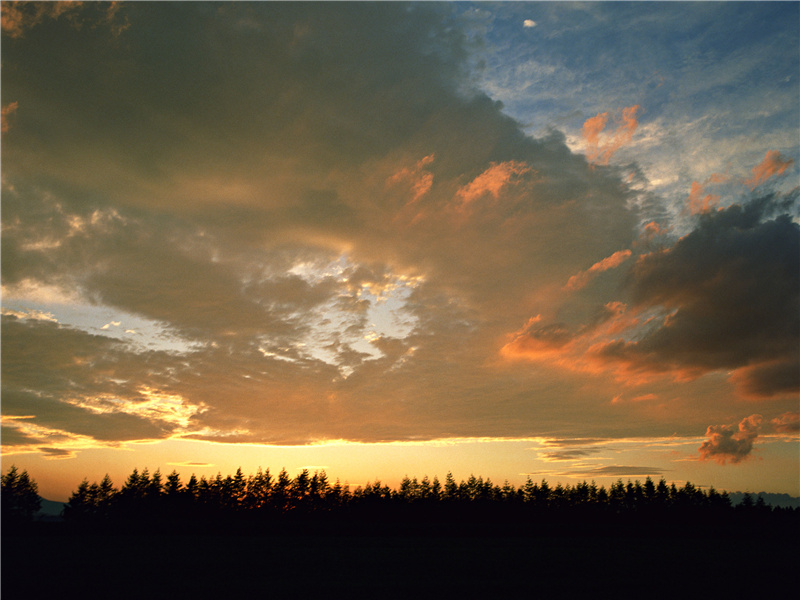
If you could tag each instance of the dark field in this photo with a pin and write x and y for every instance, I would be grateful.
(416, 565)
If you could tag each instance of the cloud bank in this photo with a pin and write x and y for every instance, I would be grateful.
(337, 236)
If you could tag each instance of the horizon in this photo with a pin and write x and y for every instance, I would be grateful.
(523, 239)
(770, 496)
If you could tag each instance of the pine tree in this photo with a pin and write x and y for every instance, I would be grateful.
(20, 496)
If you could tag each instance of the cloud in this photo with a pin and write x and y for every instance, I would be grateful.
(19, 17)
(57, 453)
(417, 178)
(569, 454)
(774, 164)
(492, 181)
(580, 280)
(601, 147)
(788, 422)
(7, 110)
(726, 443)
(620, 471)
(698, 203)
(730, 289)
(278, 189)
(29, 314)
(722, 297)
(529, 23)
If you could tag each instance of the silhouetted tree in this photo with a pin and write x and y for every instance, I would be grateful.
(450, 487)
(233, 501)
(19, 496)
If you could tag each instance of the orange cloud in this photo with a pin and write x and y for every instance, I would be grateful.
(580, 280)
(641, 398)
(601, 148)
(6, 112)
(493, 179)
(725, 444)
(18, 17)
(787, 422)
(651, 231)
(419, 180)
(585, 350)
(591, 133)
(699, 204)
(773, 165)
(537, 343)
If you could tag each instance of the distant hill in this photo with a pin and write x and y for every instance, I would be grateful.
(50, 510)
(774, 500)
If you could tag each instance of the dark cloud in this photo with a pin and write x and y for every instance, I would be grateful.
(732, 287)
(620, 471)
(72, 382)
(11, 436)
(787, 422)
(727, 443)
(573, 454)
(723, 297)
(56, 453)
(559, 442)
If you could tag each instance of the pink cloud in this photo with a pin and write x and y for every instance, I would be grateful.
(725, 443)
(602, 147)
(773, 165)
(699, 203)
(591, 133)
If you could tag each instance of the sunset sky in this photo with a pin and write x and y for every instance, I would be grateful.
(550, 239)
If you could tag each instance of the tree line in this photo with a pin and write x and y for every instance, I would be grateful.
(266, 499)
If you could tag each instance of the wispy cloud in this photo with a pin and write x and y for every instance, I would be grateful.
(774, 164)
(19, 17)
(580, 280)
(7, 111)
(602, 145)
(620, 471)
(788, 422)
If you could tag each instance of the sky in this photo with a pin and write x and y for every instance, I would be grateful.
(548, 240)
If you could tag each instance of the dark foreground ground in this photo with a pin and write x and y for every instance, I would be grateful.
(394, 565)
